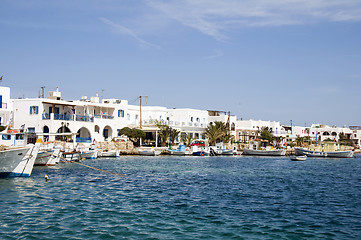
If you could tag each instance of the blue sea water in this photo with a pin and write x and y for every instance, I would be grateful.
(186, 198)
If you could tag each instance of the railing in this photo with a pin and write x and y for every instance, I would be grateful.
(83, 140)
(63, 117)
(107, 117)
(83, 118)
(46, 116)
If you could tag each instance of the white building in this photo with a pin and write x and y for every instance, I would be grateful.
(188, 121)
(220, 116)
(90, 119)
(5, 106)
(249, 129)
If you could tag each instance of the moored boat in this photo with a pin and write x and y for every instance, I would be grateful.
(298, 158)
(149, 152)
(109, 153)
(333, 154)
(16, 160)
(47, 157)
(272, 152)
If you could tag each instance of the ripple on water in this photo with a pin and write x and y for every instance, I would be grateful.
(186, 198)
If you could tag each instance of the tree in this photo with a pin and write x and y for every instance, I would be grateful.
(167, 133)
(133, 134)
(266, 134)
(187, 139)
(216, 132)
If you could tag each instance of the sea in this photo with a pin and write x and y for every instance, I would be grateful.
(166, 197)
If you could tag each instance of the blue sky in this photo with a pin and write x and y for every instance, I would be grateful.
(276, 60)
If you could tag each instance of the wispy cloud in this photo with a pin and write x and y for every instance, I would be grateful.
(126, 31)
(216, 54)
(215, 18)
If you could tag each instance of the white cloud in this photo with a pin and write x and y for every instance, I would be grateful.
(215, 17)
(126, 31)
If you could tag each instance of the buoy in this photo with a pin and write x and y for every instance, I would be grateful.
(46, 178)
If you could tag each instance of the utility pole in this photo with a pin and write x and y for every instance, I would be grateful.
(42, 91)
(140, 109)
(291, 128)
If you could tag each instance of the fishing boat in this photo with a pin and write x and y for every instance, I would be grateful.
(70, 156)
(254, 149)
(298, 158)
(330, 154)
(149, 152)
(89, 154)
(16, 158)
(180, 151)
(47, 157)
(200, 151)
(109, 153)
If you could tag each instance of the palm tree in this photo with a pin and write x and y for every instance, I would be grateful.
(216, 132)
(187, 139)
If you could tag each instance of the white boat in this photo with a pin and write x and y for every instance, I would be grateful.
(47, 157)
(109, 153)
(70, 156)
(16, 160)
(89, 154)
(272, 152)
(149, 152)
(298, 158)
(335, 154)
(180, 151)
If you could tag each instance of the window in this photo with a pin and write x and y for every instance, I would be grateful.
(198, 120)
(6, 137)
(121, 113)
(34, 109)
(31, 130)
(191, 119)
(19, 136)
(128, 116)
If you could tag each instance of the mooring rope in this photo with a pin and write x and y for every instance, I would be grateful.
(117, 174)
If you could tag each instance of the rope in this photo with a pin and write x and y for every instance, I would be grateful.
(117, 174)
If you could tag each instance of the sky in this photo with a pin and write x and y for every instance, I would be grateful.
(277, 60)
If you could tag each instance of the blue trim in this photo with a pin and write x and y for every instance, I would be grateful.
(12, 174)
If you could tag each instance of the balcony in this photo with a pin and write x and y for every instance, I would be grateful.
(83, 118)
(63, 117)
(83, 140)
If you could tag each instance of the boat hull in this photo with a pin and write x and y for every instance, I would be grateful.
(278, 152)
(337, 154)
(18, 162)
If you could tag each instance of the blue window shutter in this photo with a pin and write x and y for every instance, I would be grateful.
(1, 101)
(31, 109)
(122, 113)
(36, 110)
(119, 113)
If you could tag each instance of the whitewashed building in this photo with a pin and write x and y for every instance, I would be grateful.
(89, 119)
(5, 106)
(249, 129)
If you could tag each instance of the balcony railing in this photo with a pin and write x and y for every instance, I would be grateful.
(83, 118)
(64, 117)
(83, 140)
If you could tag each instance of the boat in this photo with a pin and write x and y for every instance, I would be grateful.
(332, 154)
(16, 158)
(70, 156)
(200, 151)
(47, 157)
(298, 158)
(271, 152)
(180, 151)
(109, 153)
(149, 152)
(89, 154)
(254, 149)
